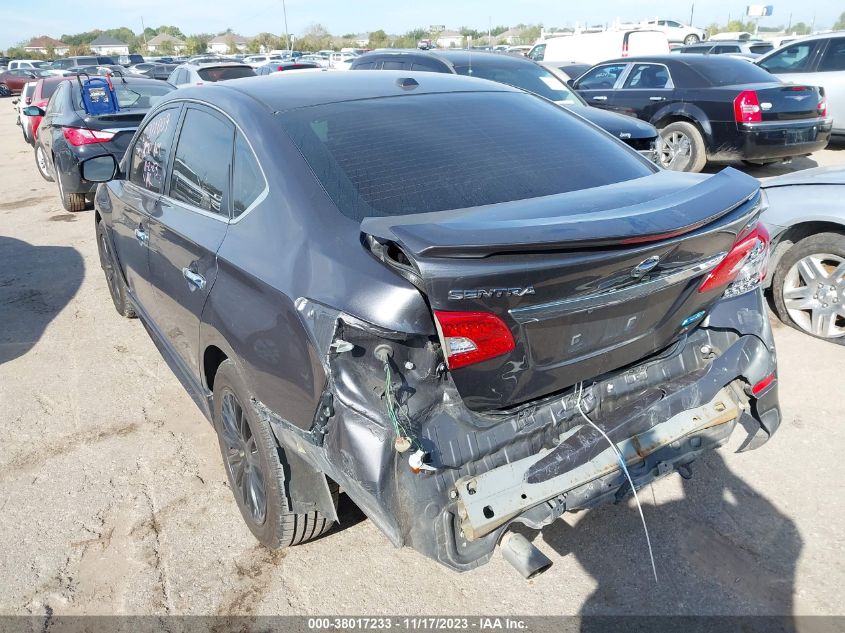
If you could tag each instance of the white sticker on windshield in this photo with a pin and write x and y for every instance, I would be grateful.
(552, 82)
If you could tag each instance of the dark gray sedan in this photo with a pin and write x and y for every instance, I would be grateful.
(461, 304)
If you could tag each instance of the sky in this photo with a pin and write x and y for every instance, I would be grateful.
(55, 17)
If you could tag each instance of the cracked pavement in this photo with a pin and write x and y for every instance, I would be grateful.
(114, 499)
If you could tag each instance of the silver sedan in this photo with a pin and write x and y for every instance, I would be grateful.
(806, 221)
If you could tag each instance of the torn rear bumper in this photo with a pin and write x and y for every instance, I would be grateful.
(533, 463)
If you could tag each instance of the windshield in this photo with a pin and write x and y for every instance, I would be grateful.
(528, 77)
(222, 73)
(415, 154)
(131, 95)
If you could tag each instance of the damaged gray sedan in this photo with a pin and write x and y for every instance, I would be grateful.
(458, 303)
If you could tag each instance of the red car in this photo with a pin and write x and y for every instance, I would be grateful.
(16, 78)
(44, 89)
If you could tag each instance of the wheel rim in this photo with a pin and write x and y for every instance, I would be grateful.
(814, 294)
(675, 150)
(41, 160)
(242, 460)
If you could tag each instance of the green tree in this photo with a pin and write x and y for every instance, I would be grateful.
(231, 47)
(799, 28)
(198, 43)
(840, 23)
(378, 39)
(50, 51)
(166, 47)
(315, 38)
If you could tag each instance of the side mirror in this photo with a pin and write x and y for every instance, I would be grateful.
(570, 83)
(33, 111)
(99, 168)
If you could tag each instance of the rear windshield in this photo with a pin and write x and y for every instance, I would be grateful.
(131, 95)
(728, 72)
(528, 77)
(415, 154)
(225, 72)
(48, 88)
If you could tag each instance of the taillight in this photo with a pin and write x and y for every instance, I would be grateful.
(822, 107)
(83, 136)
(471, 337)
(747, 107)
(744, 267)
(764, 384)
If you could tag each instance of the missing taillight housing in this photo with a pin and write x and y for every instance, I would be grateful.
(472, 337)
(744, 267)
(83, 136)
(747, 107)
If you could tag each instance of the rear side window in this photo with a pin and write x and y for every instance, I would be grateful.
(759, 49)
(601, 77)
(648, 77)
(201, 165)
(365, 66)
(427, 67)
(726, 48)
(151, 150)
(795, 58)
(405, 155)
(834, 56)
(225, 72)
(248, 179)
(393, 65)
(48, 88)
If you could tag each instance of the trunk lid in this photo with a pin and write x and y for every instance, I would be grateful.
(560, 272)
(787, 102)
(122, 123)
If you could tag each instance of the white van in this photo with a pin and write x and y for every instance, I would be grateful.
(25, 63)
(592, 48)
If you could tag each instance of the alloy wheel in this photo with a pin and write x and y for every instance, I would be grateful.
(675, 150)
(41, 159)
(242, 459)
(814, 294)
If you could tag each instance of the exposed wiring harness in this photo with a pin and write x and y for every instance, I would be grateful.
(621, 459)
(402, 430)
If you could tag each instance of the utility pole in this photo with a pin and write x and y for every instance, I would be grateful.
(287, 33)
(691, 13)
(490, 31)
(144, 34)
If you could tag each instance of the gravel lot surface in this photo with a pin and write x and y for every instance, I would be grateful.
(114, 500)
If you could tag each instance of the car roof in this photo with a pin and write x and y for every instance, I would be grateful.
(301, 90)
(677, 60)
(214, 65)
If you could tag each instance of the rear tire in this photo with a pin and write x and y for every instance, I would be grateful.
(681, 147)
(73, 202)
(256, 468)
(114, 278)
(808, 286)
(41, 163)
(691, 39)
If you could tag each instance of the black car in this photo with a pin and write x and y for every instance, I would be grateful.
(68, 134)
(158, 71)
(278, 66)
(711, 108)
(514, 71)
(406, 286)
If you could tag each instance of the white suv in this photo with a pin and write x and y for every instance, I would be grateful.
(676, 32)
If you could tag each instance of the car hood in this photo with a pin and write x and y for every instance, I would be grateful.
(620, 125)
(817, 176)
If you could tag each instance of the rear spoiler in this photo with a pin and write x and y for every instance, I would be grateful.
(665, 205)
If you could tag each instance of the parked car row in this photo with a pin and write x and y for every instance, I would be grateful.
(441, 281)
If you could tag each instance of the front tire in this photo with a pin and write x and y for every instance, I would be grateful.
(692, 38)
(41, 163)
(681, 147)
(808, 286)
(114, 278)
(256, 468)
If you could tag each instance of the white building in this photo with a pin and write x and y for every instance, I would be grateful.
(449, 39)
(44, 43)
(155, 44)
(221, 43)
(105, 45)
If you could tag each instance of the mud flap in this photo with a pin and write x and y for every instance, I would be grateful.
(307, 487)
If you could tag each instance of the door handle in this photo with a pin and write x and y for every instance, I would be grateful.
(657, 98)
(142, 236)
(600, 98)
(195, 280)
